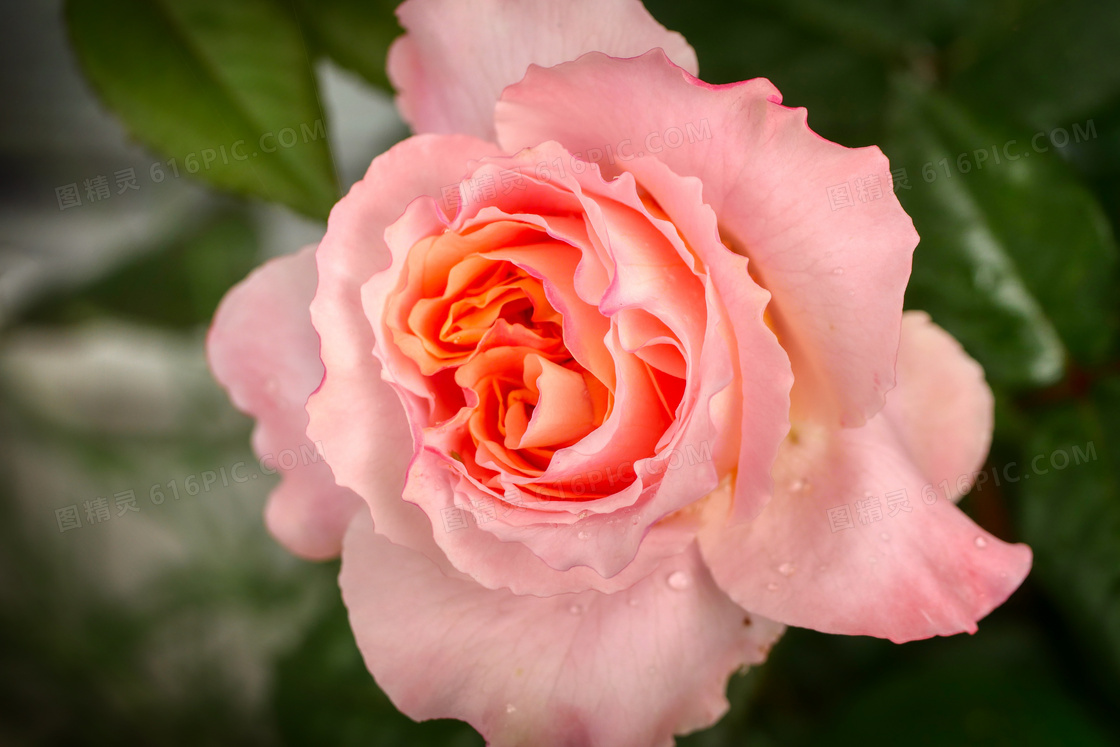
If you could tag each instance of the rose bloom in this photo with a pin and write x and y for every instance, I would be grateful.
(610, 374)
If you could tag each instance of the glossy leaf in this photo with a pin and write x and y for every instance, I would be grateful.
(355, 33)
(323, 694)
(1048, 64)
(1016, 259)
(224, 90)
(997, 692)
(1070, 515)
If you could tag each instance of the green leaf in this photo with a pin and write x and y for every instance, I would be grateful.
(1071, 518)
(323, 694)
(355, 33)
(996, 692)
(179, 285)
(224, 89)
(841, 83)
(1052, 63)
(1016, 259)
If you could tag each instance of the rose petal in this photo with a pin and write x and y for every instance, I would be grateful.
(764, 376)
(263, 349)
(923, 572)
(945, 421)
(631, 668)
(451, 66)
(462, 525)
(358, 417)
(767, 177)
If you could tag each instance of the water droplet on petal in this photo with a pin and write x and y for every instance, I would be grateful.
(584, 514)
(787, 569)
(636, 519)
(575, 609)
(772, 586)
(981, 542)
(797, 485)
(679, 580)
(583, 535)
(510, 708)
(884, 536)
(633, 601)
(837, 270)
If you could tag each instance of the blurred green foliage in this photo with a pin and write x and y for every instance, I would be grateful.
(1017, 259)
(224, 90)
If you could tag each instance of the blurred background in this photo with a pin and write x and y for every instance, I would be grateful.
(142, 601)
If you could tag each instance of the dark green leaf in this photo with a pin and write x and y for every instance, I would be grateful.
(839, 80)
(1016, 258)
(225, 90)
(1000, 693)
(355, 33)
(1051, 65)
(325, 695)
(1071, 517)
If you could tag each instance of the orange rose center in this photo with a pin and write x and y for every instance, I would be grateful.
(487, 325)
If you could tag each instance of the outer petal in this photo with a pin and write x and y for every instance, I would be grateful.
(768, 178)
(945, 421)
(764, 376)
(359, 418)
(451, 66)
(263, 349)
(631, 668)
(923, 572)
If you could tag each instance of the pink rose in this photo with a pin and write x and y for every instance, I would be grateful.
(608, 390)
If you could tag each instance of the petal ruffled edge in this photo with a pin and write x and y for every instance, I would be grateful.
(450, 67)
(264, 351)
(631, 668)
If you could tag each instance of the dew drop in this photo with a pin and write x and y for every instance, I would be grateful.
(510, 708)
(584, 514)
(636, 519)
(797, 485)
(981, 542)
(633, 601)
(272, 385)
(679, 580)
(575, 609)
(772, 586)
(837, 270)
(787, 569)
(583, 535)
(884, 536)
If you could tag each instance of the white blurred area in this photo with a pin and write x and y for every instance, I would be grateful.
(94, 409)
